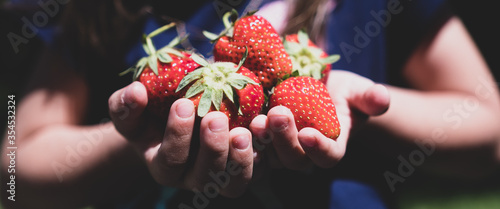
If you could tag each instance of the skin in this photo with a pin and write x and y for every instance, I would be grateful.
(166, 154)
(442, 72)
(446, 73)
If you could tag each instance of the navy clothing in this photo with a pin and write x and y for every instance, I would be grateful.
(363, 32)
(374, 39)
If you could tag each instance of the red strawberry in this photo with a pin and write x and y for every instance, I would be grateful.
(307, 58)
(267, 57)
(226, 87)
(310, 103)
(161, 72)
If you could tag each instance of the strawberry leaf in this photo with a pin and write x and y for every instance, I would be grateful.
(292, 48)
(330, 59)
(228, 91)
(303, 38)
(145, 44)
(141, 64)
(317, 73)
(252, 12)
(164, 57)
(196, 58)
(211, 36)
(153, 63)
(242, 61)
(195, 89)
(197, 74)
(205, 102)
(169, 50)
(130, 69)
(316, 52)
(239, 81)
(217, 95)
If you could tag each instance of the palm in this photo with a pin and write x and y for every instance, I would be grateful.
(355, 99)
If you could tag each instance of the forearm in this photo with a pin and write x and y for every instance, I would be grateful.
(448, 119)
(456, 134)
(68, 165)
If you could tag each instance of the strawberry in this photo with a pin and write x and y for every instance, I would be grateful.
(267, 57)
(161, 72)
(310, 103)
(307, 58)
(226, 87)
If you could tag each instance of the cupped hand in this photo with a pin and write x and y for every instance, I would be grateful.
(356, 98)
(224, 158)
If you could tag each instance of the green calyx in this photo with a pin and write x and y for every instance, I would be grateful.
(215, 81)
(228, 19)
(162, 54)
(306, 59)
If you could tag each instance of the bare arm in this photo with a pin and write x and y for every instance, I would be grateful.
(454, 103)
(454, 91)
(59, 161)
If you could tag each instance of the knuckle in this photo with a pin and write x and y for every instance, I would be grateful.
(332, 161)
(216, 146)
(170, 162)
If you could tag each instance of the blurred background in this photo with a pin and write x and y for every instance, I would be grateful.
(480, 17)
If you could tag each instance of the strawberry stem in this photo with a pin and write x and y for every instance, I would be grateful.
(225, 19)
(148, 39)
(149, 44)
(160, 30)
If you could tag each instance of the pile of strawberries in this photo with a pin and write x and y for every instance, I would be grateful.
(254, 70)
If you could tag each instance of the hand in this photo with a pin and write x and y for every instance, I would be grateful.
(223, 158)
(355, 98)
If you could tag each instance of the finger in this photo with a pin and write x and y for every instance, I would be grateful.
(239, 166)
(213, 152)
(262, 137)
(323, 151)
(285, 142)
(171, 156)
(375, 100)
(347, 88)
(126, 107)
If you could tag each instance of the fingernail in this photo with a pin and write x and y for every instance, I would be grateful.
(241, 142)
(218, 124)
(184, 110)
(278, 123)
(128, 95)
(264, 136)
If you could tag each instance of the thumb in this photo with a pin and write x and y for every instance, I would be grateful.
(373, 101)
(359, 92)
(127, 105)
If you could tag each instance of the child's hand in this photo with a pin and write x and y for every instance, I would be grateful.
(224, 158)
(355, 97)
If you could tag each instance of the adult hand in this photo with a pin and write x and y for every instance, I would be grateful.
(224, 157)
(355, 98)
